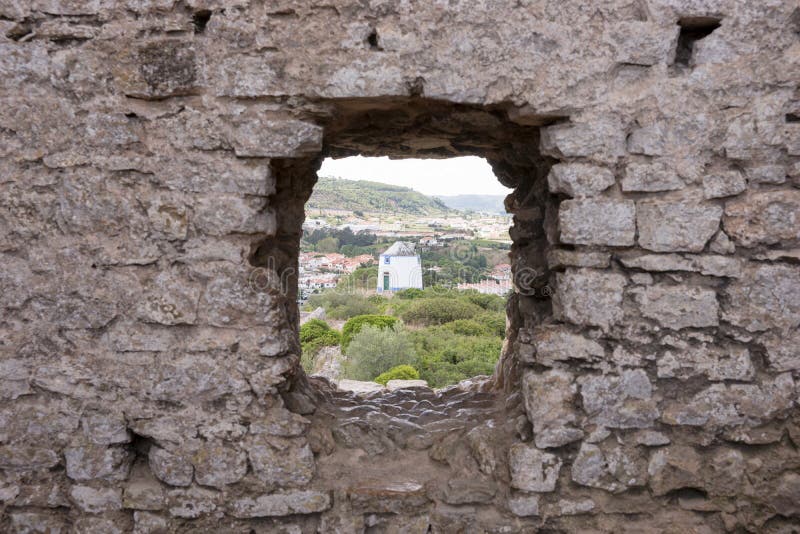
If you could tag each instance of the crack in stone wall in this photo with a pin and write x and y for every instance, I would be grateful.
(154, 162)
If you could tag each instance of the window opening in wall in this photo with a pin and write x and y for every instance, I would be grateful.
(404, 271)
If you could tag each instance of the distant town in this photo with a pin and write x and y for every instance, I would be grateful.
(459, 249)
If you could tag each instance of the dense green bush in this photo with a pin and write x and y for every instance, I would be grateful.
(354, 325)
(401, 372)
(342, 304)
(439, 310)
(409, 294)
(487, 302)
(314, 335)
(467, 327)
(494, 322)
(375, 350)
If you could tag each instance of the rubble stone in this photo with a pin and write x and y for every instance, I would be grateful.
(597, 222)
(532, 469)
(676, 226)
(588, 297)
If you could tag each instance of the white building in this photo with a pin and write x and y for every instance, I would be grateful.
(399, 267)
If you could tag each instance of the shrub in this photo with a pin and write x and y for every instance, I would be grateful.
(374, 350)
(319, 332)
(409, 294)
(487, 302)
(439, 311)
(401, 372)
(467, 327)
(354, 325)
(494, 323)
(342, 305)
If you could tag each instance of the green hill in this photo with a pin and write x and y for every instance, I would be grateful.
(362, 195)
(482, 203)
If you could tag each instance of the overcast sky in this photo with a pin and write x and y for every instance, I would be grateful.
(469, 175)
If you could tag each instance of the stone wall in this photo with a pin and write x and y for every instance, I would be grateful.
(155, 156)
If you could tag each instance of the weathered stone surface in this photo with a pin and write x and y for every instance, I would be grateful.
(192, 502)
(612, 468)
(523, 505)
(253, 136)
(554, 343)
(650, 177)
(226, 214)
(711, 265)
(678, 307)
(589, 297)
(766, 296)
(783, 352)
(722, 405)
(469, 490)
(87, 462)
(285, 462)
(163, 68)
(602, 140)
(281, 504)
(717, 363)
(622, 401)
(94, 500)
(217, 465)
(27, 457)
(532, 469)
(579, 180)
(549, 403)
(388, 496)
(676, 226)
(559, 258)
(674, 467)
(763, 217)
(174, 469)
(724, 184)
(597, 222)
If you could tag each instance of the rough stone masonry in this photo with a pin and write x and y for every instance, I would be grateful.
(155, 156)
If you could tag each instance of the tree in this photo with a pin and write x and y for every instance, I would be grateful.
(375, 350)
(354, 325)
(328, 244)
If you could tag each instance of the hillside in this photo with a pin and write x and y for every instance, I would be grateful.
(482, 203)
(362, 195)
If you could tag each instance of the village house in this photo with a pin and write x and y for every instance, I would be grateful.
(399, 267)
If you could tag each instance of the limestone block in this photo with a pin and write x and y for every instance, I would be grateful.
(38, 522)
(169, 218)
(642, 43)
(766, 296)
(192, 502)
(204, 173)
(783, 351)
(160, 69)
(603, 140)
(556, 343)
(223, 214)
(27, 457)
(723, 184)
(254, 136)
(717, 363)
(482, 444)
(589, 297)
(707, 264)
(650, 177)
(88, 462)
(195, 376)
(619, 401)
(767, 174)
(722, 405)
(549, 402)
(579, 180)
(283, 462)
(218, 465)
(649, 140)
(399, 496)
(95, 501)
(281, 422)
(148, 523)
(674, 467)
(678, 307)
(608, 467)
(558, 258)
(144, 494)
(763, 217)
(105, 428)
(532, 469)
(597, 222)
(676, 226)
(281, 504)
(174, 469)
(523, 504)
